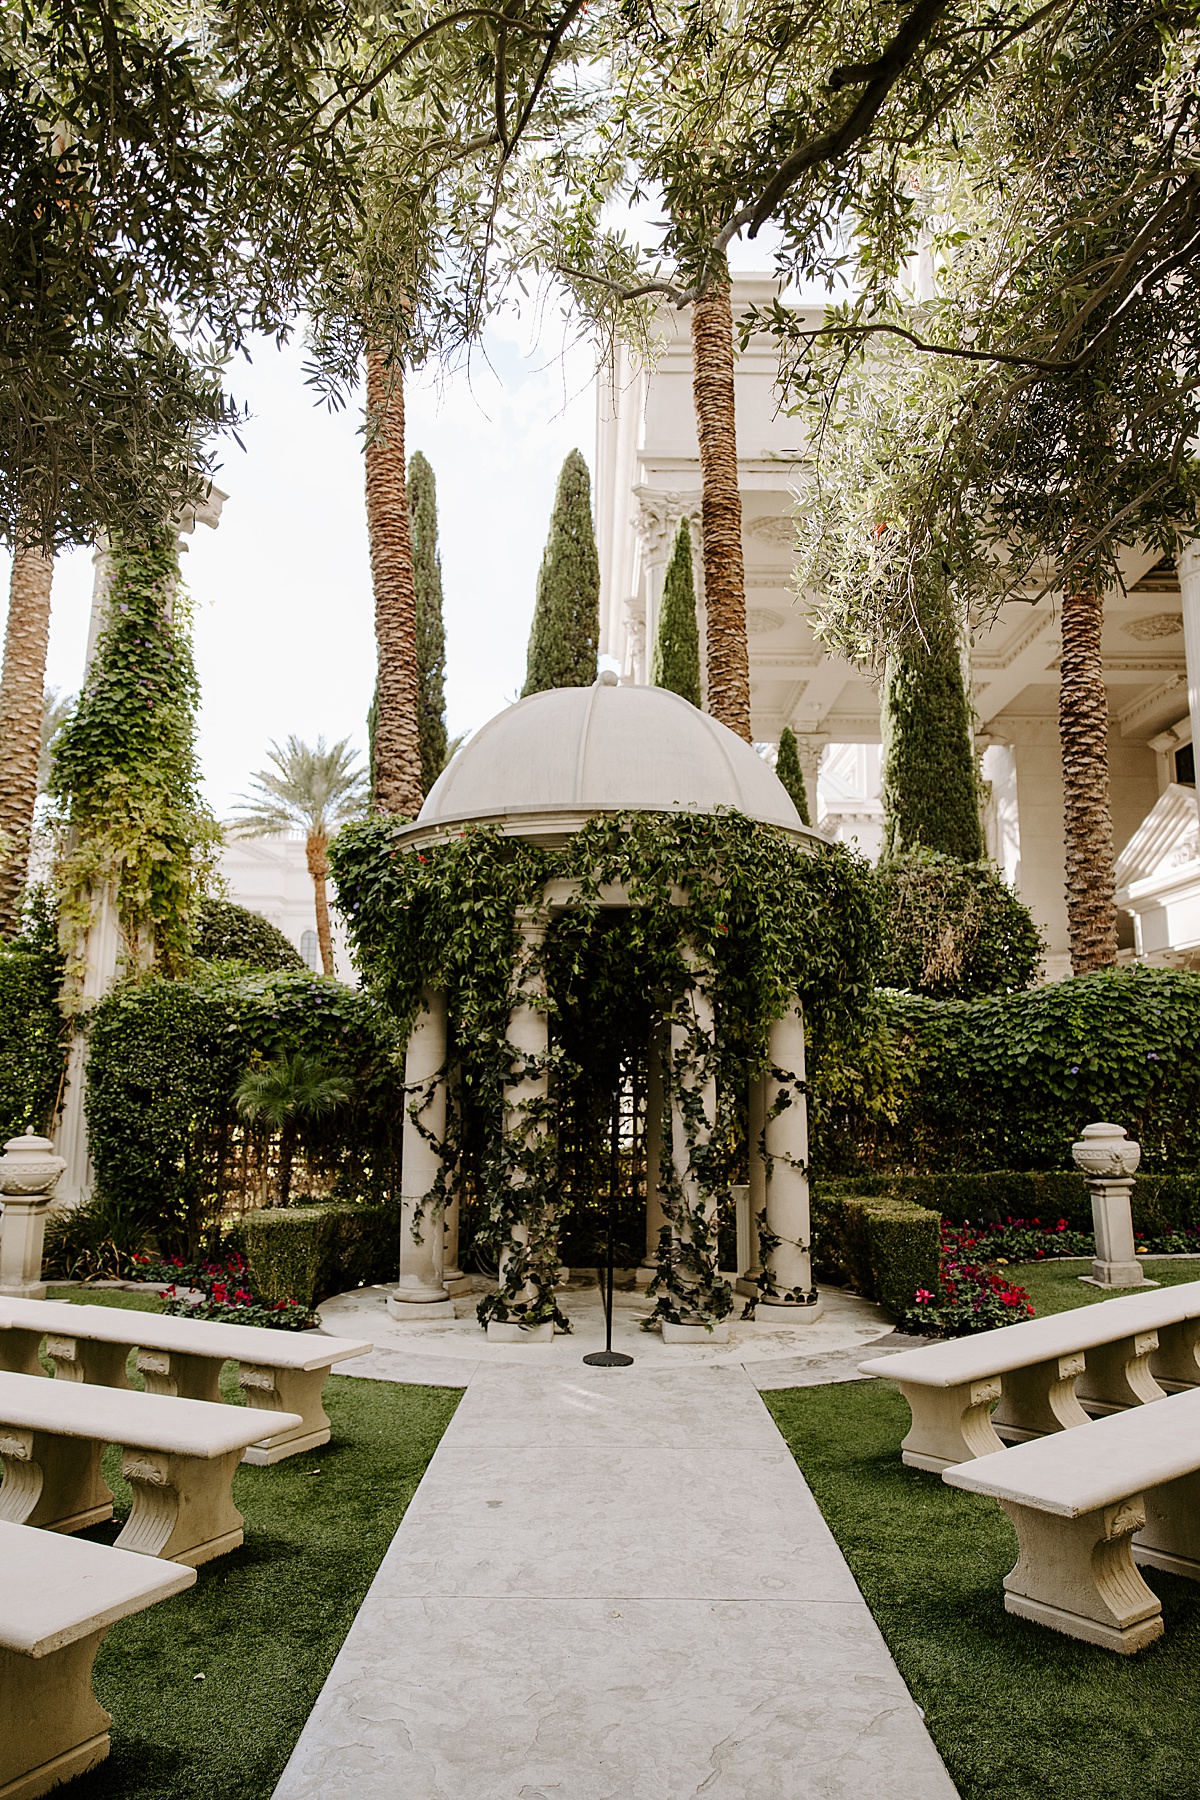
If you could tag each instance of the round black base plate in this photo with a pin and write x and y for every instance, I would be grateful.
(608, 1359)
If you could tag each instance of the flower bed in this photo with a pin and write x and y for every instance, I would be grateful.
(226, 1294)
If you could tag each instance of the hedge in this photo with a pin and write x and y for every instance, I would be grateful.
(1161, 1203)
(33, 1032)
(883, 1246)
(1009, 1082)
(307, 1253)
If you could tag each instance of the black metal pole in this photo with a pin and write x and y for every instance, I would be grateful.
(608, 1358)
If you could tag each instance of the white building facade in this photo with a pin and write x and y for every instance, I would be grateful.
(269, 875)
(648, 478)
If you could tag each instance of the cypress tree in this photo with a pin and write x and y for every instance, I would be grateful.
(677, 644)
(431, 628)
(564, 637)
(787, 767)
(930, 787)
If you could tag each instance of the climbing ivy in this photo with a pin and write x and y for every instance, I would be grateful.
(125, 775)
(763, 919)
(32, 1029)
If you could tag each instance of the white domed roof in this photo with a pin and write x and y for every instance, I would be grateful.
(605, 748)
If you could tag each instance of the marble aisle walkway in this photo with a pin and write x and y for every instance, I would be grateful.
(614, 1586)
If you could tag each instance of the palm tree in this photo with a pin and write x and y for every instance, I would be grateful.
(727, 657)
(21, 685)
(57, 708)
(1087, 810)
(281, 1095)
(396, 784)
(313, 790)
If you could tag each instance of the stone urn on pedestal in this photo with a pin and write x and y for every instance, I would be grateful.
(1109, 1157)
(28, 1172)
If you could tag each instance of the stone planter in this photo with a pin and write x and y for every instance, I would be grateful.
(28, 1172)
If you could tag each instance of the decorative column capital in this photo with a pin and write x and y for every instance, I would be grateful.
(657, 518)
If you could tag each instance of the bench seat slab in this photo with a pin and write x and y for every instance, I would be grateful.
(52, 1481)
(1175, 1365)
(1170, 1538)
(1040, 1399)
(52, 1727)
(85, 1359)
(1078, 1575)
(286, 1390)
(1117, 1375)
(182, 1506)
(950, 1425)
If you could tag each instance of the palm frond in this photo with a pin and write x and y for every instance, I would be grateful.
(310, 788)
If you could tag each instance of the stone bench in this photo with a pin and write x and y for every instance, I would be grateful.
(278, 1371)
(58, 1597)
(1048, 1374)
(1089, 1506)
(179, 1458)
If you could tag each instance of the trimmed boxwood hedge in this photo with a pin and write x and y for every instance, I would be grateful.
(307, 1253)
(883, 1246)
(1161, 1203)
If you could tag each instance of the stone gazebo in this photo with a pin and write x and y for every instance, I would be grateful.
(540, 771)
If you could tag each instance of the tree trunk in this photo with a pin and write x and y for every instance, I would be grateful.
(396, 774)
(728, 659)
(318, 868)
(21, 698)
(1087, 817)
(287, 1152)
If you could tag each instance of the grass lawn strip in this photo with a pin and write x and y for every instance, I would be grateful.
(1056, 1287)
(263, 1624)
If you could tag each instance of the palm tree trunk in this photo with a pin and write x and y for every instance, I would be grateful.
(318, 867)
(287, 1151)
(396, 773)
(1087, 817)
(728, 659)
(22, 686)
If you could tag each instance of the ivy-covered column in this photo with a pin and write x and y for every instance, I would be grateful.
(524, 1270)
(692, 1208)
(786, 1282)
(420, 1292)
(751, 1275)
(656, 1218)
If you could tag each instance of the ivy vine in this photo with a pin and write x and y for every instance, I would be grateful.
(720, 907)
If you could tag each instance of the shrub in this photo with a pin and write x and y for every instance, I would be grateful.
(953, 929)
(884, 1247)
(227, 933)
(309, 1252)
(971, 1299)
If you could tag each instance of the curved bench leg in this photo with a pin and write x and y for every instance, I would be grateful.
(182, 1505)
(1175, 1365)
(51, 1481)
(1078, 1575)
(1118, 1375)
(80, 1359)
(1170, 1538)
(950, 1425)
(1039, 1399)
(184, 1377)
(287, 1390)
(52, 1727)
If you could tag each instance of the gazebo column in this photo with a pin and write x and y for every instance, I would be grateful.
(420, 1293)
(787, 1265)
(528, 1033)
(455, 1281)
(656, 1218)
(683, 1034)
(750, 1276)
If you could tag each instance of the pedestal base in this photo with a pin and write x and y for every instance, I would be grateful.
(694, 1334)
(771, 1312)
(29, 1290)
(505, 1332)
(644, 1275)
(458, 1285)
(1118, 1275)
(419, 1312)
(746, 1286)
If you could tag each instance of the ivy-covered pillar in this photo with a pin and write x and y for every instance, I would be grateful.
(693, 1116)
(786, 1282)
(751, 1275)
(525, 1127)
(656, 1218)
(421, 1292)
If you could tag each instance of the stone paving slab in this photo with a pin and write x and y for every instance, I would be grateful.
(611, 1585)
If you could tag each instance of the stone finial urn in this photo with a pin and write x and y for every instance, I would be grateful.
(28, 1172)
(1107, 1153)
(29, 1166)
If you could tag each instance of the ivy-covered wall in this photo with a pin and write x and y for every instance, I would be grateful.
(1009, 1082)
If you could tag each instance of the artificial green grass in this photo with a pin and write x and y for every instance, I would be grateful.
(1017, 1712)
(81, 1296)
(263, 1624)
(1055, 1286)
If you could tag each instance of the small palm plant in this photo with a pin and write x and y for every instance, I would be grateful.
(314, 790)
(285, 1094)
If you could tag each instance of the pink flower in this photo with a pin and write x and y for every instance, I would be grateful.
(922, 1295)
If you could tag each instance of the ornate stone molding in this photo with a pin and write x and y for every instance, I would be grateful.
(658, 514)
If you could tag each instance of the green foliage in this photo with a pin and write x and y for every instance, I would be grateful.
(885, 1247)
(125, 772)
(164, 1065)
(766, 920)
(431, 628)
(310, 1252)
(1162, 1204)
(1009, 1082)
(787, 767)
(953, 930)
(225, 932)
(33, 1032)
(284, 1095)
(930, 786)
(306, 788)
(565, 633)
(677, 645)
